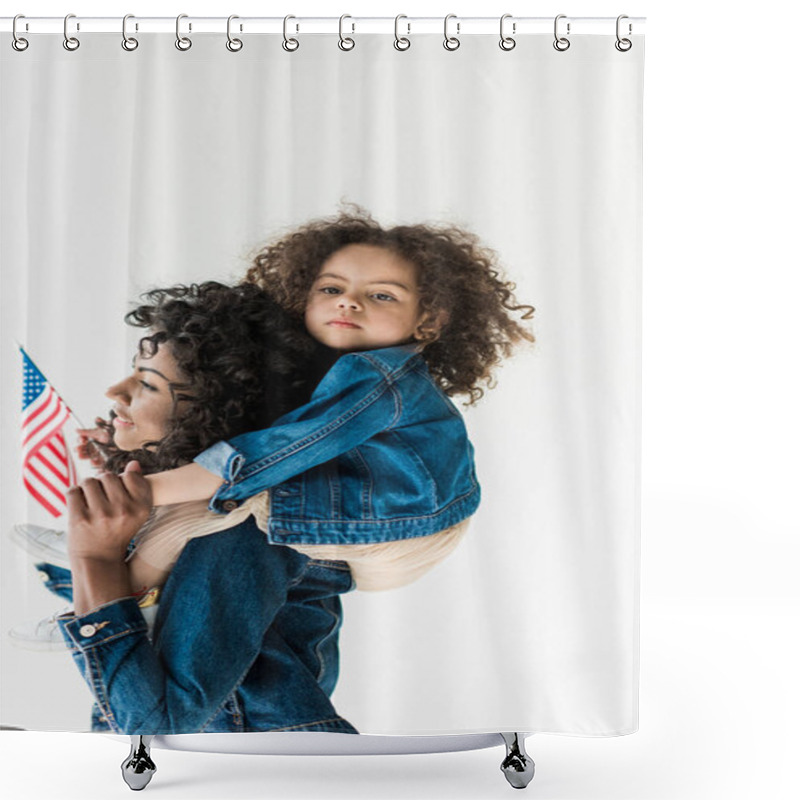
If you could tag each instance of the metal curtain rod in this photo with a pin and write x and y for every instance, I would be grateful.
(309, 25)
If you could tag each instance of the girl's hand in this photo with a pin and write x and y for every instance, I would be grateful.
(87, 437)
(105, 513)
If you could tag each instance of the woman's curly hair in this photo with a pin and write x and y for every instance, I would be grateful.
(247, 362)
(456, 275)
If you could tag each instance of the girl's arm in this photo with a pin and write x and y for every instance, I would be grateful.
(355, 401)
(181, 485)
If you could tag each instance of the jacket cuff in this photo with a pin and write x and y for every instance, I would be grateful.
(222, 460)
(102, 624)
(226, 461)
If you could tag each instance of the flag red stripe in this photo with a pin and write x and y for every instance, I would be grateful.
(42, 455)
(42, 425)
(42, 500)
(57, 466)
(44, 489)
(58, 470)
(45, 398)
(43, 402)
(47, 440)
(57, 412)
(38, 475)
(60, 454)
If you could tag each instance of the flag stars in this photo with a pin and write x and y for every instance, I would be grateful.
(33, 382)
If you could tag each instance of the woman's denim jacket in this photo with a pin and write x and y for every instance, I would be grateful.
(379, 453)
(245, 639)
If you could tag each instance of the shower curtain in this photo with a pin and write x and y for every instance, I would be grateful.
(126, 170)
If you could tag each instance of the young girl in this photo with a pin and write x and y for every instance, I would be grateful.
(376, 469)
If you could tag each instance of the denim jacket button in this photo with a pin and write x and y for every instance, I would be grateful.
(229, 505)
(43, 576)
(87, 630)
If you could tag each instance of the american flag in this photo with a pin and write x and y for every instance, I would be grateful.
(47, 468)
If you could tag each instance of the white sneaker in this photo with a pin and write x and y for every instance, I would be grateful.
(45, 544)
(42, 635)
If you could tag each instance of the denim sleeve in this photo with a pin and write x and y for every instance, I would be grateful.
(218, 602)
(353, 403)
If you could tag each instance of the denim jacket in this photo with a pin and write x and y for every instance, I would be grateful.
(245, 639)
(379, 453)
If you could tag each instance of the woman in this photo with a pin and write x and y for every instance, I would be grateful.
(245, 636)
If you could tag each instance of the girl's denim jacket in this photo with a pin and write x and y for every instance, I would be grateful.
(379, 453)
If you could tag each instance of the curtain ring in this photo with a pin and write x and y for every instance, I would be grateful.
(128, 42)
(451, 42)
(234, 45)
(346, 42)
(401, 42)
(623, 45)
(289, 45)
(18, 43)
(507, 42)
(182, 42)
(70, 42)
(561, 43)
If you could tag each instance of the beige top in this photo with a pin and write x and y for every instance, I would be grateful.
(375, 567)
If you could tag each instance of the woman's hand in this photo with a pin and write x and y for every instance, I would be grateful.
(105, 513)
(86, 448)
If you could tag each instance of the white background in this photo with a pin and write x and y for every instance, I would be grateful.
(720, 597)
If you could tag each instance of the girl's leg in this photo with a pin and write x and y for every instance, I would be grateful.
(56, 579)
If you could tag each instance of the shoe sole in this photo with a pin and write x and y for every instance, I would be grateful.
(39, 551)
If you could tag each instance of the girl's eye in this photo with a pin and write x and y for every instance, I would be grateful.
(330, 290)
(382, 296)
(148, 386)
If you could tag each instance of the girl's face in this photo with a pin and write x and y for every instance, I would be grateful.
(363, 298)
(144, 403)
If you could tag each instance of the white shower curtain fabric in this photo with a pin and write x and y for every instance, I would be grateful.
(124, 171)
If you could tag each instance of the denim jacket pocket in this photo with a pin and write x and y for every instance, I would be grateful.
(290, 495)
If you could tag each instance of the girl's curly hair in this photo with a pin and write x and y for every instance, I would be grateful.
(456, 275)
(246, 359)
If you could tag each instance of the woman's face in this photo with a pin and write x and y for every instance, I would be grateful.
(144, 403)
